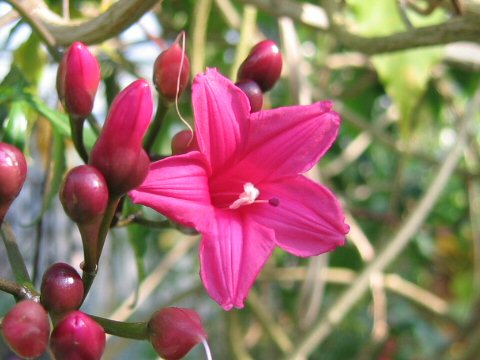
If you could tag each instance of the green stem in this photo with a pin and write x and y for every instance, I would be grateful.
(91, 265)
(105, 225)
(19, 291)
(94, 124)
(76, 124)
(199, 34)
(156, 126)
(15, 258)
(89, 233)
(89, 276)
(133, 330)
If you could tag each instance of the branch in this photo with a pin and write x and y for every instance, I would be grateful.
(459, 28)
(117, 18)
(466, 28)
(394, 248)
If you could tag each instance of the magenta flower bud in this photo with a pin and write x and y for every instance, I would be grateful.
(84, 194)
(13, 171)
(77, 337)
(173, 332)
(184, 141)
(253, 92)
(166, 72)
(78, 77)
(26, 329)
(262, 65)
(61, 289)
(118, 152)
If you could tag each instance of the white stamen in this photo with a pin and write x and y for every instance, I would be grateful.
(249, 195)
(207, 349)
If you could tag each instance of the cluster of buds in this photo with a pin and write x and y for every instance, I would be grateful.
(26, 327)
(117, 163)
(259, 72)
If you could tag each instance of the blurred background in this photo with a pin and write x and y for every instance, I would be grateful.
(403, 74)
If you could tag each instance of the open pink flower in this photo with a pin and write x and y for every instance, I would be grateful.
(244, 190)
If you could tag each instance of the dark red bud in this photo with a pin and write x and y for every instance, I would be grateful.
(173, 332)
(84, 194)
(183, 142)
(61, 289)
(253, 92)
(13, 171)
(26, 329)
(166, 72)
(263, 65)
(78, 77)
(77, 337)
(124, 168)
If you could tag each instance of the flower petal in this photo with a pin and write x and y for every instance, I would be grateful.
(287, 141)
(232, 256)
(308, 219)
(177, 187)
(221, 112)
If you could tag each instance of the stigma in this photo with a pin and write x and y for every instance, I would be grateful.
(249, 196)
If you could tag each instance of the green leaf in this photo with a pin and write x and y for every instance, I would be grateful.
(59, 120)
(404, 74)
(15, 125)
(59, 166)
(31, 59)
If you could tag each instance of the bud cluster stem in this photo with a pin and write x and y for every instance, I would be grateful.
(129, 330)
(157, 123)
(15, 258)
(19, 291)
(77, 137)
(89, 276)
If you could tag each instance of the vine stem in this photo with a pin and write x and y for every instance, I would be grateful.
(352, 295)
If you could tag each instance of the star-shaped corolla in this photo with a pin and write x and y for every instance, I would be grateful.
(244, 190)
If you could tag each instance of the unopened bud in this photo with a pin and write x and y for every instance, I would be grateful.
(184, 141)
(13, 171)
(173, 332)
(253, 92)
(77, 80)
(84, 194)
(77, 336)
(61, 289)
(167, 74)
(118, 152)
(262, 65)
(26, 329)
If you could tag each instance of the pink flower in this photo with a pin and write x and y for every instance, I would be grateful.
(244, 190)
